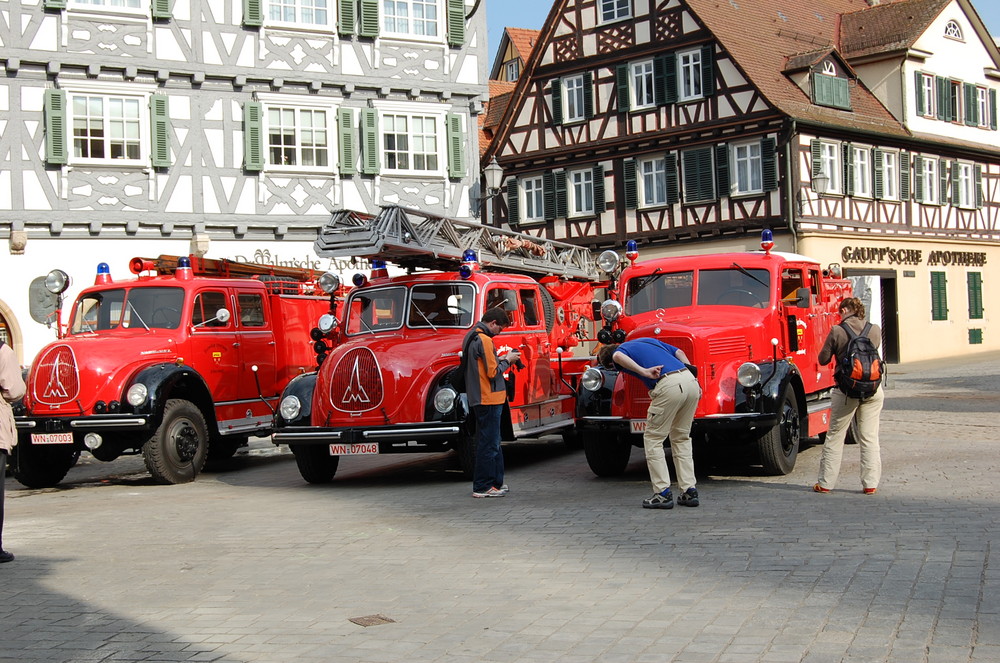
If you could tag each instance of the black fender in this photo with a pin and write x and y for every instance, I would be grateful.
(167, 380)
(596, 403)
(460, 412)
(775, 376)
(302, 387)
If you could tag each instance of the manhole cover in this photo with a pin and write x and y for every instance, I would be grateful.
(372, 620)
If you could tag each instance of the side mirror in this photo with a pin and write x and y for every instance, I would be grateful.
(509, 304)
(803, 298)
(223, 315)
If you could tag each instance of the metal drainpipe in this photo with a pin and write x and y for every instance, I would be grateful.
(792, 206)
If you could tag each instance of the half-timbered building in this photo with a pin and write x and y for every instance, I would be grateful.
(862, 133)
(140, 127)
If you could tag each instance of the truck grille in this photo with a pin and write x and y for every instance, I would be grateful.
(731, 345)
(55, 378)
(357, 382)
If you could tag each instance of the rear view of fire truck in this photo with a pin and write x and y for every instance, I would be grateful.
(387, 386)
(181, 364)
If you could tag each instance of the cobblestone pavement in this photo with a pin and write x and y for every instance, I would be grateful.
(252, 564)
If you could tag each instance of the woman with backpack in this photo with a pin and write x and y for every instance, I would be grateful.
(854, 344)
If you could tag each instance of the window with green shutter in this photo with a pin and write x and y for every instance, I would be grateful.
(904, 176)
(557, 110)
(918, 92)
(971, 104)
(160, 9)
(456, 160)
(561, 202)
(978, 184)
(456, 22)
(668, 65)
(253, 13)
(939, 296)
(707, 70)
(346, 16)
(369, 18)
(848, 161)
(974, 281)
(622, 88)
(513, 200)
(549, 194)
(630, 184)
(722, 170)
(993, 110)
(831, 91)
(673, 179)
(253, 136)
(369, 141)
(55, 127)
(975, 337)
(943, 98)
(600, 202)
(699, 180)
(769, 163)
(159, 114)
(55, 4)
(347, 142)
(588, 95)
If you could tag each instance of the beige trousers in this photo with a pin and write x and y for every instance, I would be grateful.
(843, 411)
(673, 402)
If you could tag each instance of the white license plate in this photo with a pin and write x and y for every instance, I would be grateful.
(359, 449)
(52, 438)
(638, 426)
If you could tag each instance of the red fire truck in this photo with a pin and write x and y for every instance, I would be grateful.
(753, 324)
(182, 363)
(386, 386)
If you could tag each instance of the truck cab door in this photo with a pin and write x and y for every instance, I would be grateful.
(800, 301)
(535, 348)
(256, 345)
(212, 344)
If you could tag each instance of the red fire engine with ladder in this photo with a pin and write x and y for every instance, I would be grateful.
(386, 386)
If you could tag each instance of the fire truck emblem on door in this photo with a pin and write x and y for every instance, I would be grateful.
(57, 381)
(357, 382)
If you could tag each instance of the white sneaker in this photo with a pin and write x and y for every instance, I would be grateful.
(492, 492)
(504, 489)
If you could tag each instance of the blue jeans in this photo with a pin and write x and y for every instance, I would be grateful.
(489, 458)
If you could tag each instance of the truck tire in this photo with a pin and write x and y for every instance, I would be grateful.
(177, 451)
(315, 463)
(42, 467)
(779, 447)
(607, 453)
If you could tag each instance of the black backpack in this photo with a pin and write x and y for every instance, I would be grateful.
(457, 378)
(859, 372)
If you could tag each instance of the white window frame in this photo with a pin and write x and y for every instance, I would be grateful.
(983, 101)
(298, 7)
(512, 69)
(106, 90)
(930, 95)
(952, 30)
(410, 32)
(573, 98)
(532, 199)
(890, 175)
(956, 93)
(641, 84)
(651, 178)
(414, 109)
(580, 192)
(136, 7)
(832, 166)
(862, 171)
(609, 11)
(932, 184)
(747, 169)
(966, 186)
(689, 75)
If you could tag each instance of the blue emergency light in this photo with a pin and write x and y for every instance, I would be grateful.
(359, 279)
(766, 240)
(631, 250)
(103, 274)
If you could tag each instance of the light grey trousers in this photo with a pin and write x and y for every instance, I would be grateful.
(843, 411)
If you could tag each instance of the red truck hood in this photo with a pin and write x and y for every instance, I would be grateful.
(76, 372)
(719, 326)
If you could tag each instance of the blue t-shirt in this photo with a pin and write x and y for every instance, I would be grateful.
(649, 352)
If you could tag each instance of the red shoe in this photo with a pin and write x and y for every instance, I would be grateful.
(820, 489)
(869, 491)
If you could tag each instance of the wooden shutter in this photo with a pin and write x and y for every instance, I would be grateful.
(621, 83)
(557, 110)
(974, 280)
(660, 80)
(456, 153)
(588, 95)
(253, 13)
(55, 127)
(993, 110)
(769, 164)
(816, 151)
(673, 180)
(55, 4)
(698, 180)
(670, 78)
(942, 97)
(562, 205)
(944, 181)
(369, 18)
(904, 176)
(847, 152)
(971, 105)
(549, 194)
(878, 171)
(953, 106)
(918, 92)
(630, 184)
(253, 136)
(708, 70)
(513, 200)
(369, 141)
(346, 16)
(160, 9)
(939, 296)
(346, 142)
(722, 183)
(159, 117)
(918, 179)
(456, 22)
(978, 175)
(600, 203)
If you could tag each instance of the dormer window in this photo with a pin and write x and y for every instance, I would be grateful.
(828, 88)
(953, 31)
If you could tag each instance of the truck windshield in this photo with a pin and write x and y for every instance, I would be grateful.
(734, 287)
(143, 308)
(435, 305)
(374, 310)
(656, 291)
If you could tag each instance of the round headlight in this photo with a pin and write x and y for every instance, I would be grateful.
(290, 408)
(610, 310)
(592, 379)
(748, 375)
(137, 394)
(326, 323)
(444, 400)
(608, 262)
(329, 282)
(57, 281)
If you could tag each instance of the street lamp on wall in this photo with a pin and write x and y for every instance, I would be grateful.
(820, 182)
(493, 176)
